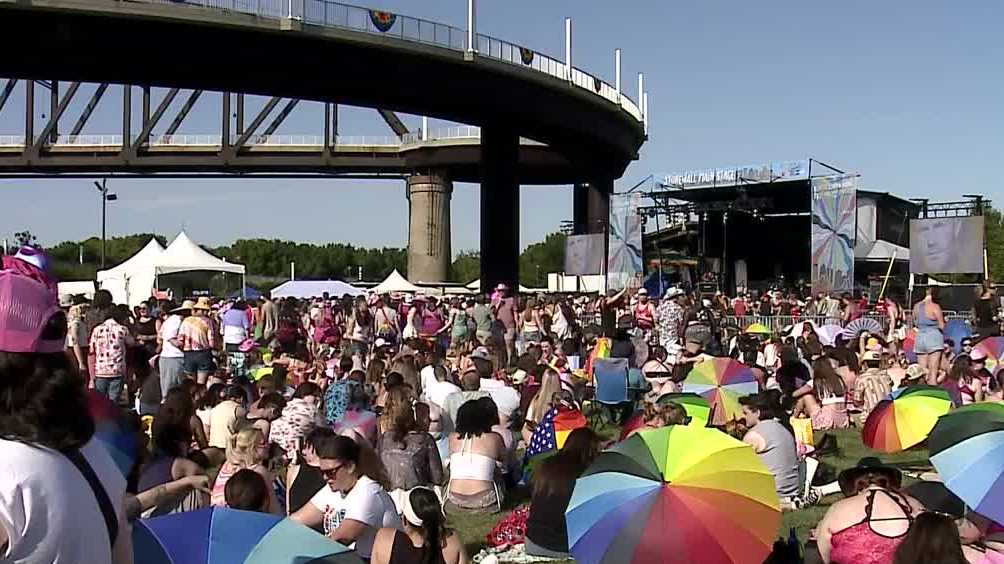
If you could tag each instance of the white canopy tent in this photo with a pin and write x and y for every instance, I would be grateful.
(314, 289)
(184, 255)
(132, 281)
(395, 283)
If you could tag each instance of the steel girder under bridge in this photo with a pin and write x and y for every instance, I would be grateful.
(247, 143)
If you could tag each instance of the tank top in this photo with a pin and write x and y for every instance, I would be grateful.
(780, 457)
(431, 322)
(643, 315)
(403, 552)
(459, 324)
(861, 543)
(923, 320)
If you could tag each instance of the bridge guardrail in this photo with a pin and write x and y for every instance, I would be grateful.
(356, 18)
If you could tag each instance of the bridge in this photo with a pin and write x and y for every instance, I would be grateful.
(538, 120)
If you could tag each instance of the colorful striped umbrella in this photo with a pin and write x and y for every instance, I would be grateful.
(550, 434)
(758, 329)
(994, 347)
(227, 536)
(113, 431)
(674, 495)
(905, 418)
(722, 381)
(967, 449)
(697, 407)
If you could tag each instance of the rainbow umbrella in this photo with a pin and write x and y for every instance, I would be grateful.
(674, 495)
(967, 449)
(994, 347)
(697, 407)
(227, 536)
(113, 430)
(722, 381)
(550, 434)
(905, 418)
(758, 329)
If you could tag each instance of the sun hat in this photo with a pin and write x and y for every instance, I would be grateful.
(868, 465)
(673, 292)
(936, 497)
(978, 355)
(916, 372)
(247, 345)
(30, 318)
(186, 305)
(501, 286)
(203, 304)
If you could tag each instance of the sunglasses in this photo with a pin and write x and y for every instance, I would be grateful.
(332, 473)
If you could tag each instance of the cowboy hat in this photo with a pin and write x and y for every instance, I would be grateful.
(203, 304)
(187, 305)
(868, 465)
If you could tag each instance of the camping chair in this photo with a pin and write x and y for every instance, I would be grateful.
(611, 376)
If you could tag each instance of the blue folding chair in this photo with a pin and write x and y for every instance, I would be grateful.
(611, 377)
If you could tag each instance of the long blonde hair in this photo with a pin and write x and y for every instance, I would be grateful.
(242, 449)
(550, 384)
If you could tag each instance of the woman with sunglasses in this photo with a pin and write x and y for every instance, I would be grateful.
(354, 504)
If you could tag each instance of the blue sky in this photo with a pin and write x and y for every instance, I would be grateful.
(909, 94)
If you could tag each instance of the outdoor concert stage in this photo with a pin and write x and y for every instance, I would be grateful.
(753, 225)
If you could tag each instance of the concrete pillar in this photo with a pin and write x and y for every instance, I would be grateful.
(591, 207)
(499, 207)
(429, 249)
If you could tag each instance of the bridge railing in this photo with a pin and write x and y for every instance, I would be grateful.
(356, 18)
(11, 140)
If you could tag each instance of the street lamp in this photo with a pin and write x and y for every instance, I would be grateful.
(105, 198)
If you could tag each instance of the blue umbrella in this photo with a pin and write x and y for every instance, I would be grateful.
(956, 330)
(228, 536)
(967, 449)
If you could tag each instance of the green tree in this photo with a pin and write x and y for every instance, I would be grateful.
(541, 258)
(466, 268)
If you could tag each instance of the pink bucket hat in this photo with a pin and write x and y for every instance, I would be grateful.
(30, 318)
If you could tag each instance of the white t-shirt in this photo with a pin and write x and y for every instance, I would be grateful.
(436, 392)
(223, 423)
(428, 377)
(366, 502)
(48, 510)
(168, 331)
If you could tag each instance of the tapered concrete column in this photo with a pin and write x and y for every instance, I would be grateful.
(429, 249)
(499, 207)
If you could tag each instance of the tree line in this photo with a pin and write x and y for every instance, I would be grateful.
(80, 260)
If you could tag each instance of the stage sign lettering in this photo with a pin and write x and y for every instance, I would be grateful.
(785, 170)
(834, 225)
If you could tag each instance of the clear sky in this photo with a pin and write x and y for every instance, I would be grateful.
(909, 94)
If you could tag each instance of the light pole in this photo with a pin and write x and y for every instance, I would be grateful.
(105, 198)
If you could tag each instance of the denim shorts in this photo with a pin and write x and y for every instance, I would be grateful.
(199, 361)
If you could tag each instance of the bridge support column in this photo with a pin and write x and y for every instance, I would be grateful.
(499, 207)
(591, 207)
(429, 249)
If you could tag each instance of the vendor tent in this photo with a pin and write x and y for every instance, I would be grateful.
(184, 255)
(83, 288)
(132, 281)
(314, 289)
(395, 283)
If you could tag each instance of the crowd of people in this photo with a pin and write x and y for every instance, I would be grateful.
(371, 419)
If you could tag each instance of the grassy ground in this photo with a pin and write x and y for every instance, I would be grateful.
(473, 528)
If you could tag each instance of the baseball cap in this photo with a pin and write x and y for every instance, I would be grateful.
(481, 353)
(643, 292)
(871, 355)
(380, 342)
(30, 318)
(673, 292)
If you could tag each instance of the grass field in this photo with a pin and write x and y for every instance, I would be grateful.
(473, 528)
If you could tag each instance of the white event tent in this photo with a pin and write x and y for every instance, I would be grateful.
(395, 283)
(132, 281)
(303, 289)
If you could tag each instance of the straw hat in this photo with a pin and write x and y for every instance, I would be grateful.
(203, 304)
(187, 305)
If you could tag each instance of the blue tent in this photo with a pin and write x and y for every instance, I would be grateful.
(249, 293)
